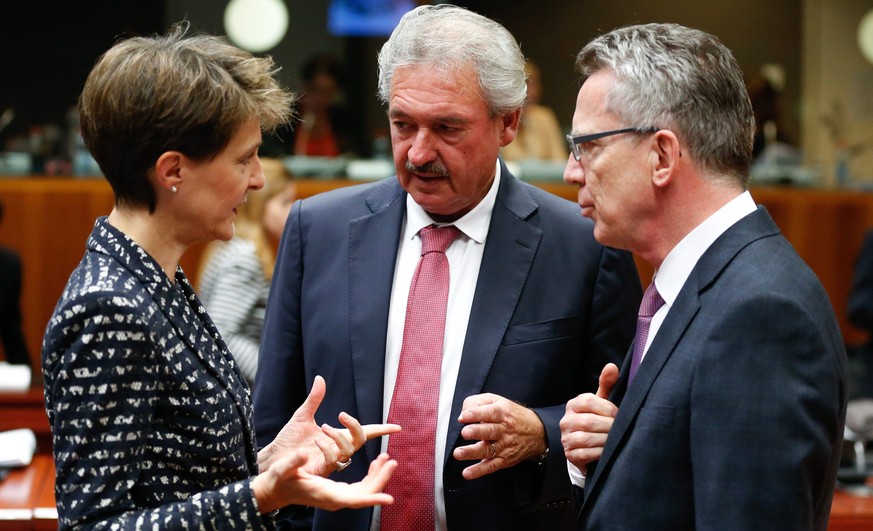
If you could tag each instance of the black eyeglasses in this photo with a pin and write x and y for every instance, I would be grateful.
(576, 141)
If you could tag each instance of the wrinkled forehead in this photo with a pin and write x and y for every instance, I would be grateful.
(435, 82)
(460, 74)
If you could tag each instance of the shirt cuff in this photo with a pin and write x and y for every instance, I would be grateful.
(577, 477)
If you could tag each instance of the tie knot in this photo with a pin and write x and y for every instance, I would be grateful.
(652, 301)
(437, 239)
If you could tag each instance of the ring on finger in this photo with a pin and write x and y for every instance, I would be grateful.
(342, 465)
(493, 451)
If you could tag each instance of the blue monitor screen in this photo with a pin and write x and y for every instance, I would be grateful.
(365, 18)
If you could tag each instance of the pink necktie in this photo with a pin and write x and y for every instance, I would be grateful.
(652, 301)
(416, 392)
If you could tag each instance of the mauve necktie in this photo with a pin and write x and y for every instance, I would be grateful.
(652, 301)
(416, 391)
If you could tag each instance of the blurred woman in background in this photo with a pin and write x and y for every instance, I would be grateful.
(539, 134)
(234, 278)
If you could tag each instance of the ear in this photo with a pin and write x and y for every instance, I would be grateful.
(168, 170)
(509, 126)
(665, 157)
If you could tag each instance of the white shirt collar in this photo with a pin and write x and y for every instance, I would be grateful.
(474, 224)
(674, 271)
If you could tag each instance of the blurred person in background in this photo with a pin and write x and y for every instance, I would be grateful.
(539, 134)
(327, 128)
(234, 278)
(14, 346)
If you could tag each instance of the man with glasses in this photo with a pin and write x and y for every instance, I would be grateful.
(579, 144)
(729, 410)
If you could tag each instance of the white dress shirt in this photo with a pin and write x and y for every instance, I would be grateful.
(465, 258)
(677, 266)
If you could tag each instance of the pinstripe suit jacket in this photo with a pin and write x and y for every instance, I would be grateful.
(150, 416)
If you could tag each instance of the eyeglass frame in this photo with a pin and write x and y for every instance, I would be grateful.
(575, 140)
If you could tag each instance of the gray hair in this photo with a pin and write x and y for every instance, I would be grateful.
(680, 79)
(451, 38)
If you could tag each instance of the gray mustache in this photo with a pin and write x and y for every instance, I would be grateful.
(433, 168)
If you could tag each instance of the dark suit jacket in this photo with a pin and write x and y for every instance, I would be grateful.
(551, 307)
(10, 308)
(150, 416)
(860, 314)
(861, 298)
(735, 418)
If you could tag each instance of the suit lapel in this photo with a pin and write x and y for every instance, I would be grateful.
(681, 315)
(373, 242)
(205, 341)
(510, 248)
(686, 306)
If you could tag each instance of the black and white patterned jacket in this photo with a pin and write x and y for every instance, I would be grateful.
(151, 419)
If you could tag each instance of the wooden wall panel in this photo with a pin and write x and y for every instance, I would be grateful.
(48, 220)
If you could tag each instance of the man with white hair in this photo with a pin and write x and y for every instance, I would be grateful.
(477, 375)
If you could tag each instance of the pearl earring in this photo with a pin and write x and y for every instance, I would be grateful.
(174, 189)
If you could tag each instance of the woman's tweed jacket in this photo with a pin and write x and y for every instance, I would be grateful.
(151, 419)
